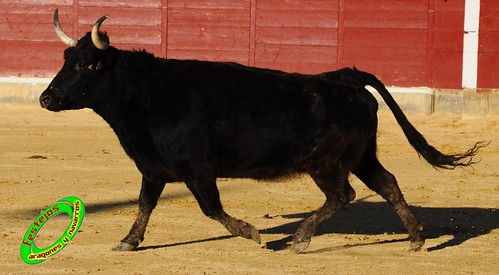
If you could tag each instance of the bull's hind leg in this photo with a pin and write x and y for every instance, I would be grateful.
(208, 198)
(148, 199)
(376, 177)
(334, 183)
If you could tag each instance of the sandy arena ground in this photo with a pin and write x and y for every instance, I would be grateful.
(45, 156)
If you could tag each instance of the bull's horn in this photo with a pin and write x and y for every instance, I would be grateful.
(60, 33)
(98, 43)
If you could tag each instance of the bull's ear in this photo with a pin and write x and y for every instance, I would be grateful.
(97, 67)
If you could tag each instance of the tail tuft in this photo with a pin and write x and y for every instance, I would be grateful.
(436, 158)
(440, 160)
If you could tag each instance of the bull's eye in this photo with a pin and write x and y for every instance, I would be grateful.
(80, 66)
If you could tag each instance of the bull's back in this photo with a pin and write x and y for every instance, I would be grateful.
(257, 123)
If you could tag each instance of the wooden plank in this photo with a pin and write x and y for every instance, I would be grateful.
(40, 2)
(488, 7)
(208, 37)
(302, 19)
(430, 41)
(448, 31)
(120, 17)
(448, 40)
(341, 34)
(488, 51)
(446, 60)
(299, 5)
(121, 3)
(35, 59)
(488, 70)
(400, 14)
(449, 59)
(489, 42)
(447, 68)
(31, 9)
(449, 6)
(33, 25)
(196, 17)
(449, 21)
(386, 19)
(389, 36)
(295, 52)
(385, 55)
(150, 48)
(203, 30)
(388, 5)
(382, 38)
(124, 25)
(28, 31)
(138, 35)
(298, 67)
(28, 41)
(489, 20)
(399, 56)
(210, 55)
(488, 60)
(32, 51)
(252, 33)
(410, 75)
(164, 28)
(212, 4)
(297, 36)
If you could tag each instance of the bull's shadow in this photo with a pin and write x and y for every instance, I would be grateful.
(359, 217)
(377, 218)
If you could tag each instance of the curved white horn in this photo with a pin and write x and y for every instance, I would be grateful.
(60, 33)
(98, 43)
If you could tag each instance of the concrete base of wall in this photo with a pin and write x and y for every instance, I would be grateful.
(17, 90)
(470, 102)
(467, 102)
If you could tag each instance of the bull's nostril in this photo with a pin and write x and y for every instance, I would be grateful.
(45, 100)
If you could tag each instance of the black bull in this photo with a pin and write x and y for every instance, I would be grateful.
(194, 121)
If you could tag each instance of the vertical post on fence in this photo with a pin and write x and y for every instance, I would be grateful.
(470, 46)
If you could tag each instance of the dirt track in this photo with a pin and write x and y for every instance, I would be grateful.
(45, 156)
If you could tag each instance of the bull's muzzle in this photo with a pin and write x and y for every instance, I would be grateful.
(45, 100)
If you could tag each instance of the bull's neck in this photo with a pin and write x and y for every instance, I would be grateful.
(126, 94)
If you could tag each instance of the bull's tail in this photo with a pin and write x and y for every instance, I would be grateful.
(436, 158)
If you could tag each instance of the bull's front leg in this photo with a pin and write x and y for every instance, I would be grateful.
(149, 195)
(206, 193)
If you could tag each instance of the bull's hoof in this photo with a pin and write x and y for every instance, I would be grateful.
(416, 245)
(254, 234)
(256, 238)
(299, 246)
(124, 247)
(300, 241)
(247, 231)
(242, 229)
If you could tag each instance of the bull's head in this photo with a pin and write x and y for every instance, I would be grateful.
(81, 77)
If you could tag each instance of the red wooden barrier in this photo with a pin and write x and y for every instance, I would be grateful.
(405, 42)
